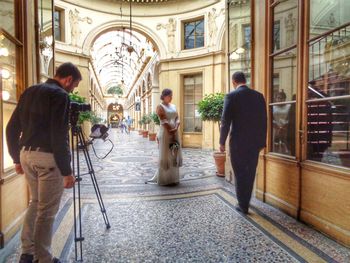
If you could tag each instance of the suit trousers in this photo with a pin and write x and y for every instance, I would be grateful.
(46, 187)
(244, 164)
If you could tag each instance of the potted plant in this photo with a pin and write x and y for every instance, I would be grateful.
(154, 121)
(210, 109)
(145, 120)
(141, 124)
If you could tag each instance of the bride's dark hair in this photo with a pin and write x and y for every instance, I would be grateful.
(166, 92)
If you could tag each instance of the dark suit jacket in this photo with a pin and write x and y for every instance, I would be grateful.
(245, 112)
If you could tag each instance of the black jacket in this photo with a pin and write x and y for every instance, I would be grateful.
(41, 120)
(245, 112)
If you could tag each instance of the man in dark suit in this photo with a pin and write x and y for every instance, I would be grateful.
(245, 113)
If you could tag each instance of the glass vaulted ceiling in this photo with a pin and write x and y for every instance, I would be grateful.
(112, 61)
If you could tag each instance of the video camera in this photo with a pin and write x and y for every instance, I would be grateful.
(75, 109)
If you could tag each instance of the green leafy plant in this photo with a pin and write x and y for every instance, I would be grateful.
(86, 115)
(115, 90)
(155, 119)
(75, 97)
(211, 106)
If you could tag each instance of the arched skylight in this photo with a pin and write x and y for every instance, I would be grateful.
(115, 62)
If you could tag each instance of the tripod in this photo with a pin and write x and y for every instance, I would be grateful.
(78, 143)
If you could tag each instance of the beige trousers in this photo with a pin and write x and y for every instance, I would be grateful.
(46, 187)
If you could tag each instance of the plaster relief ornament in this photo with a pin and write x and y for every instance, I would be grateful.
(171, 29)
(74, 20)
(290, 23)
(213, 28)
(233, 35)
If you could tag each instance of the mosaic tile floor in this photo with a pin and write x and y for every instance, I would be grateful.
(194, 221)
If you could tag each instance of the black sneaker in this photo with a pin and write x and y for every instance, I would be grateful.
(56, 260)
(26, 258)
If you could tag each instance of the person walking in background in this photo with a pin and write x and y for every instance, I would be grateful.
(37, 139)
(245, 113)
(170, 153)
(129, 122)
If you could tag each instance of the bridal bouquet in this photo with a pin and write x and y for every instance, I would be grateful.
(174, 146)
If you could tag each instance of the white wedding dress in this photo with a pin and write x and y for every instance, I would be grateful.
(169, 160)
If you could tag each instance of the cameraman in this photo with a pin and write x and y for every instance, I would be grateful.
(38, 142)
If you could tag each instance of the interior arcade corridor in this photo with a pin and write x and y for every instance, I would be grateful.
(295, 53)
(194, 221)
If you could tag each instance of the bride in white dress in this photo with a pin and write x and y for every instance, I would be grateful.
(170, 154)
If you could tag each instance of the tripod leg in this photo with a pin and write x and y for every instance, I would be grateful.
(76, 195)
(93, 179)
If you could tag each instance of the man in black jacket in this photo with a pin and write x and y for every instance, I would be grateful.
(37, 139)
(245, 113)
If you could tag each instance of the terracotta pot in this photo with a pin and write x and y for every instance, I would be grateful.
(220, 159)
(152, 136)
(144, 134)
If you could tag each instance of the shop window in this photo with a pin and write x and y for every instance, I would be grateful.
(59, 24)
(192, 95)
(194, 34)
(283, 77)
(328, 89)
(11, 80)
(239, 37)
(46, 39)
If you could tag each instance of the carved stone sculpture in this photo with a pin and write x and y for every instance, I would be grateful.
(74, 20)
(171, 29)
(212, 27)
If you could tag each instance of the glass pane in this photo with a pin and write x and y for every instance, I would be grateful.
(283, 129)
(189, 42)
(8, 89)
(239, 35)
(328, 124)
(329, 69)
(197, 125)
(7, 13)
(58, 25)
(327, 15)
(286, 14)
(46, 38)
(188, 125)
(276, 35)
(284, 77)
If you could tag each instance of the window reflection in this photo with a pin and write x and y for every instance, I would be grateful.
(328, 105)
(328, 90)
(7, 14)
(327, 15)
(285, 24)
(283, 97)
(194, 34)
(239, 31)
(285, 75)
(8, 90)
(283, 127)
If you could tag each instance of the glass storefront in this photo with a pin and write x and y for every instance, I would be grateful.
(328, 89)
(10, 66)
